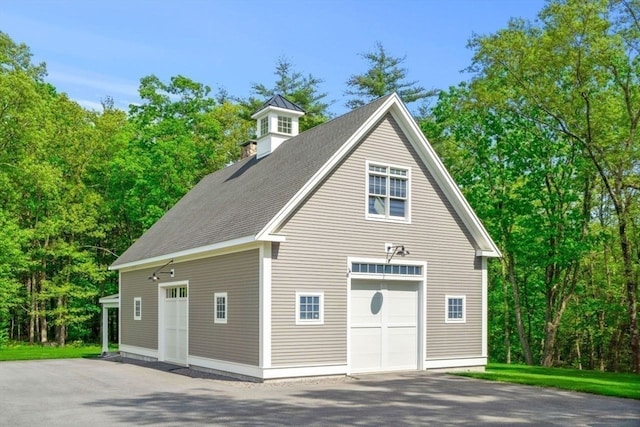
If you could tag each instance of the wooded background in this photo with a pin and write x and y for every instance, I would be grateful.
(541, 140)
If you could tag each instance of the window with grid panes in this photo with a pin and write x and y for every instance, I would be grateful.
(387, 192)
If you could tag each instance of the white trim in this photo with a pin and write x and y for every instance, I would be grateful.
(444, 179)
(485, 310)
(265, 305)
(394, 277)
(161, 327)
(422, 301)
(137, 301)
(455, 363)
(446, 309)
(483, 253)
(304, 371)
(189, 254)
(111, 301)
(217, 295)
(307, 188)
(119, 309)
(267, 373)
(141, 351)
(320, 320)
(269, 108)
(224, 366)
(387, 218)
(429, 157)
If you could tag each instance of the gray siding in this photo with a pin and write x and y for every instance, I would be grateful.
(238, 275)
(331, 225)
(143, 332)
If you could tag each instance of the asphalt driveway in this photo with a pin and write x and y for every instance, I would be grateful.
(95, 392)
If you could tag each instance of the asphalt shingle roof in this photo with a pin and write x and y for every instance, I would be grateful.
(239, 200)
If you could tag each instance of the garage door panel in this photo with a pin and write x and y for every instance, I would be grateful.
(384, 326)
(403, 344)
(366, 348)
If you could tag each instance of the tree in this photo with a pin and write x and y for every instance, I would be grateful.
(302, 90)
(384, 76)
(577, 71)
(527, 184)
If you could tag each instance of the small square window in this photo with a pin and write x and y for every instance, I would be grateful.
(137, 308)
(455, 307)
(309, 308)
(284, 124)
(220, 312)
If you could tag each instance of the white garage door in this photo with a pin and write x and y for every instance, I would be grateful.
(384, 326)
(175, 324)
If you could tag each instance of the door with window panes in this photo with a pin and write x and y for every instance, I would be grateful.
(176, 324)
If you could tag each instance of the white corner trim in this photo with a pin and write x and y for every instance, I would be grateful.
(485, 310)
(455, 362)
(265, 305)
(148, 352)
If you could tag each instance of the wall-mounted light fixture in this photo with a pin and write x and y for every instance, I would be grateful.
(393, 250)
(155, 275)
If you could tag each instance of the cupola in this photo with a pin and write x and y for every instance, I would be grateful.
(276, 121)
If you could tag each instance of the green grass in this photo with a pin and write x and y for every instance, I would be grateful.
(603, 383)
(34, 352)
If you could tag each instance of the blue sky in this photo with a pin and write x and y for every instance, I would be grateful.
(99, 48)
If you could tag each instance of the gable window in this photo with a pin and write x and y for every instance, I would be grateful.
(309, 308)
(387, 192)
(264, 126)
(220, 302)
(455, 307)
(284, 124)
(137, 308)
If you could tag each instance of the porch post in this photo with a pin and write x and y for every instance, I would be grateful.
(105, 330)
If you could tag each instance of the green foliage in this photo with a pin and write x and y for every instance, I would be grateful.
(384, 76)
(602, 383)
(38, 352)
(300, 89)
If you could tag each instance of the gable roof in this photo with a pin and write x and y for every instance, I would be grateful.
(249, 200)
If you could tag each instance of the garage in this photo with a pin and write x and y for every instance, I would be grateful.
(384, 326)
(175, 327)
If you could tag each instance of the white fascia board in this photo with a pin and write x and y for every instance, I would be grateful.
(337, 157)
(159, 260)
(445, 181)
(278, 110)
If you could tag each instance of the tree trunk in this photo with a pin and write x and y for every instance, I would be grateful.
(524, 342)
(631, 287)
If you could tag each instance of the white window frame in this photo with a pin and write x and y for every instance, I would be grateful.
(137, 308)
(387, 216)
(264, 126)
(285, 125)
(447, 319)
(217, 295)
(320, 319)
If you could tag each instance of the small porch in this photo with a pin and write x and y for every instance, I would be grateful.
(111, 301)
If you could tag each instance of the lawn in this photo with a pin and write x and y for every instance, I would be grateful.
(603, 383)
(31, 352)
